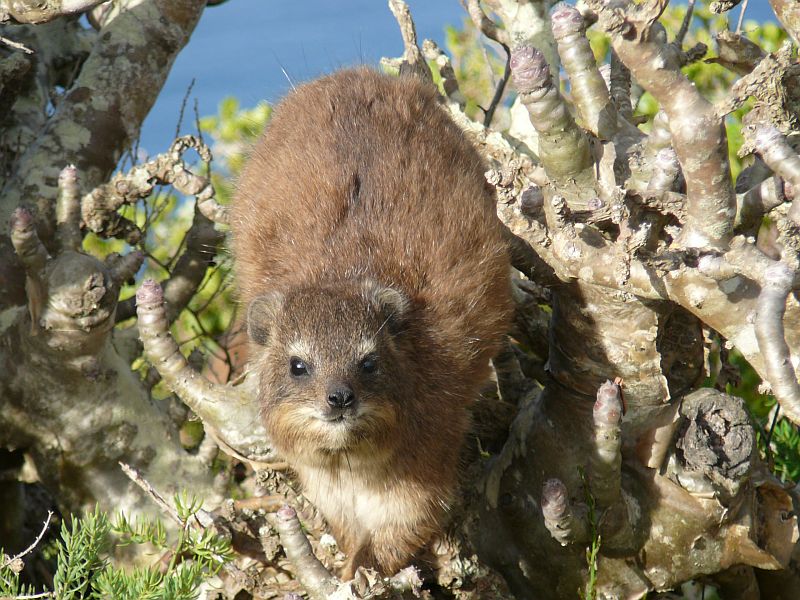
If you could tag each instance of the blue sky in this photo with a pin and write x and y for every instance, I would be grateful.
(242, 47)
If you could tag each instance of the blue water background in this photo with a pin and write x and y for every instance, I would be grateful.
(242, 48)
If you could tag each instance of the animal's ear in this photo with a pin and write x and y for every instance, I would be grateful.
(261, 315)
(391, 304)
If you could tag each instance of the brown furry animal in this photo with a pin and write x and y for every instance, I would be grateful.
(369, 254)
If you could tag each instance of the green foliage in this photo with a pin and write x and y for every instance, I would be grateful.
(477, 68)
(85, 568)
(593, 551)
(233, 130)
(79, 555)
(784, 446)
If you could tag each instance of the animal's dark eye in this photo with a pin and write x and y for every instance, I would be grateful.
(369, 364)
(297, 367)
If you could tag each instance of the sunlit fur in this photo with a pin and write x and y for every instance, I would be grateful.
(363, 225)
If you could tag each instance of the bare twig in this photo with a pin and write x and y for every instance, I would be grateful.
(148, 489)
(619, 86)
(33, 545)
(26, 242)
(412, 61)
(16, 45)
(687, 20)
(123, 268)
(499, 90)
(721, 6)
(202, 241)
(489, 28)
(310, 572)
(485, 25)
(741, 16)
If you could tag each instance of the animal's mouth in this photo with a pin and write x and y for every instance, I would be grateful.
(334, 419)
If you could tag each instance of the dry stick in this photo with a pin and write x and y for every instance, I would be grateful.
(756, 202)
(412, 57)
(33, 545)
(485, 25)
(687, 19)
(563, 148)
(589, 91)
(499, 90)
(68, 210)
(310, 572)
(561, 521)
(698, 133)
(148, 489)
(202, 241)
(191, 184)
(720, 6)
(488, 27)
(201, 520)
(776, 286)
(741, 16)
(163, 353)
(16, 45)
(605, 462)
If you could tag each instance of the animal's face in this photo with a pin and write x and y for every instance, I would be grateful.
(330, 370)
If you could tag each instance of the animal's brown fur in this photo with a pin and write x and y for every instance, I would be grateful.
(363, 226)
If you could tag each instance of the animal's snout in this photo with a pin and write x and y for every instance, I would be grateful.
(341, 397)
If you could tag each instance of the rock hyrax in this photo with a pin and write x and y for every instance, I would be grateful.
(371, 261)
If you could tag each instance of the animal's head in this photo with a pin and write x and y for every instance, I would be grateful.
(330, 366)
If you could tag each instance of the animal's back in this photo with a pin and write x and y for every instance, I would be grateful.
(362, 174)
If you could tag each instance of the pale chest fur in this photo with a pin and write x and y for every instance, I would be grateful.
(364, 502)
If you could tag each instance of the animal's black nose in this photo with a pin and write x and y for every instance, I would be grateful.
(341, 397)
